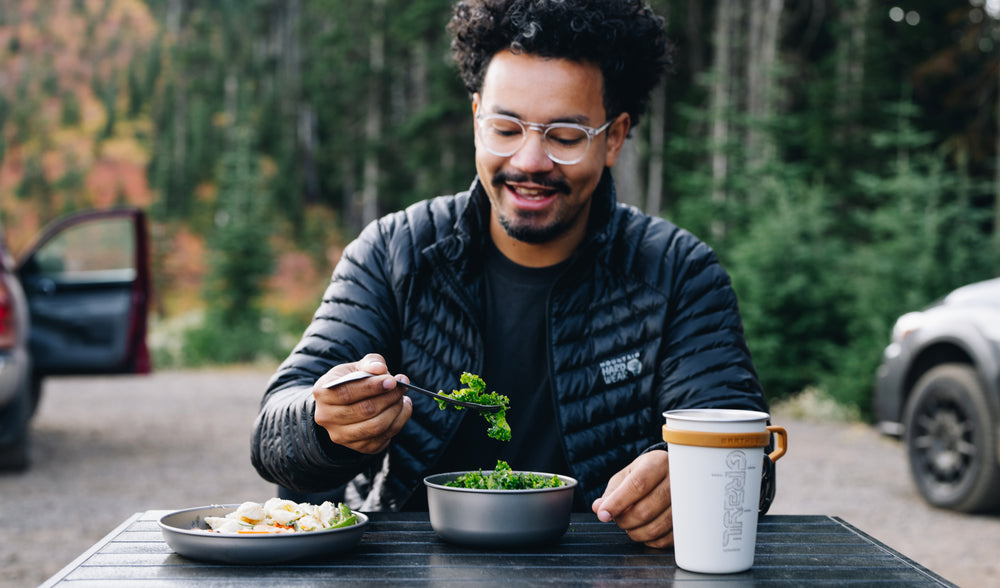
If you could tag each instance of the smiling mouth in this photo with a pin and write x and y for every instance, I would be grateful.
(531, 193)
(528, 188)
(530, 200)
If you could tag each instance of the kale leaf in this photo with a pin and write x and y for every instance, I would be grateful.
(475, 391)
(502, 478)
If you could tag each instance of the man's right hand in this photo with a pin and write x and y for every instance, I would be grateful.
(363, 415)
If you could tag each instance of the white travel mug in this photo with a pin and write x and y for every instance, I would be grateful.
(716, 458)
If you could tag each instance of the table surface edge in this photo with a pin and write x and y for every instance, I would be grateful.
(156, 514)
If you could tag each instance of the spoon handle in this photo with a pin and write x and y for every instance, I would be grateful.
(361, 375)
(348, 378)
(436, 396)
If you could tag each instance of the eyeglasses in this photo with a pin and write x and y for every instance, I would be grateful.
(564, 143)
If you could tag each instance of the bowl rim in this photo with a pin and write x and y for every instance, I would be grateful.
(431, 481)
(199, 532)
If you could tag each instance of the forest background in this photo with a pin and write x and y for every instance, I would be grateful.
(841, 156)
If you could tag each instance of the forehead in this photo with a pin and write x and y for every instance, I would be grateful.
(542, 89)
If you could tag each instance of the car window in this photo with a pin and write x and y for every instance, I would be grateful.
(95, 251)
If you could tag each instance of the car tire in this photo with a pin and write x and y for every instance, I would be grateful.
(36, 393)
(951, 440)
(14, 423)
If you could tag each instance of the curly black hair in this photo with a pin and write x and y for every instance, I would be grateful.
(624, 38)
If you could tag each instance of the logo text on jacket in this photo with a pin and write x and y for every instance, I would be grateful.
(621, 368)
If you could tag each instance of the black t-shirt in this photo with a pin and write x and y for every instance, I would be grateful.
(517, 366)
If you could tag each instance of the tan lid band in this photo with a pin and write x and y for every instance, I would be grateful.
(710, 439)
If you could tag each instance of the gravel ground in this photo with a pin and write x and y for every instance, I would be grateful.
(850, 471)
(105, 448)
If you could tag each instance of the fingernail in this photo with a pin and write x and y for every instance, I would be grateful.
(387, 384)
(604, 516)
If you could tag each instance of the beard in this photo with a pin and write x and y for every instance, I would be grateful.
(522, 229)
(522, 225)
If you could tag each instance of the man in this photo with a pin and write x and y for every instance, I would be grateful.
(591, 316)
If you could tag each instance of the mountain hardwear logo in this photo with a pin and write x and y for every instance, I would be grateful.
(621, 368)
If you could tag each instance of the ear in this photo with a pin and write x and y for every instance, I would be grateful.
(476, 99)
(617, 133)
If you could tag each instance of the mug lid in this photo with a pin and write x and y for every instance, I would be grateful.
(709, 415)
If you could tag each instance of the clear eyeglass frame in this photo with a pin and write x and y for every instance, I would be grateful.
(544, 129)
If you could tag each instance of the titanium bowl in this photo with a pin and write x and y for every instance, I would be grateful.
(183, 532)
(498, 518)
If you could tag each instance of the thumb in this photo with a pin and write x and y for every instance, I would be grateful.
(604, 508)
(602, 513)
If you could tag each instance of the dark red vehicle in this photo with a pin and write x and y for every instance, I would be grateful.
(75, 303)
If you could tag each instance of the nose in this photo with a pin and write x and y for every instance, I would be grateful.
(531, 157)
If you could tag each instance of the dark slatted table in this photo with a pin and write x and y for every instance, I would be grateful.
(401, 548)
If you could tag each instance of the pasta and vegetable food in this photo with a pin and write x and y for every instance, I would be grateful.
(282, 516)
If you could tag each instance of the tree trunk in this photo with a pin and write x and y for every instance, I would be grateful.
(656, 122)
(291, 58)
(178, 182)
(762, 51)
(373, 119)
(308, 134)
(419, 81)
(692, 31)
(720, 105)
(627, 172)
(301, 115)
(851, 71)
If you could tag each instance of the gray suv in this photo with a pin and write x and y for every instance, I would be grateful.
(938, 388)
(75, 303)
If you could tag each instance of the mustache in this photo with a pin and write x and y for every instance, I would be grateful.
(557, 184)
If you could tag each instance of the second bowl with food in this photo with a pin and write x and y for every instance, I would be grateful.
(501, 511)
(189, 533)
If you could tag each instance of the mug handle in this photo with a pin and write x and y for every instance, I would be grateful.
(782, 444)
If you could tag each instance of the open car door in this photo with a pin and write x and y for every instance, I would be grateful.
(87, 281)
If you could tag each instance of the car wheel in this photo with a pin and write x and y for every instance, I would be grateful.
(14, 422)
(36, 393)
(951, 440)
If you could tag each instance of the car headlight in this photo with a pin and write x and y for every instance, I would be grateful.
(905, 325)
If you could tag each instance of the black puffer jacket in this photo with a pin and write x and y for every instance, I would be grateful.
(642, 321)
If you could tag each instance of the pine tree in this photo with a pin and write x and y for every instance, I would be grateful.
(241, 255)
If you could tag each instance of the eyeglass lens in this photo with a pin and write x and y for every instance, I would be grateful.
(563, 144)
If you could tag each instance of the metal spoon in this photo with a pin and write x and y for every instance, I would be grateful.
(491, 408)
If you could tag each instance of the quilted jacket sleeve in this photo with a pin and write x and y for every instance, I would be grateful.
(704, 361)
(355, 317)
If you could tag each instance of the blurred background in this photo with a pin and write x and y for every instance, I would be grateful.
(840, 155)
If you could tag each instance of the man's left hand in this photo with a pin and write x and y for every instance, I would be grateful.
(638, 500)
